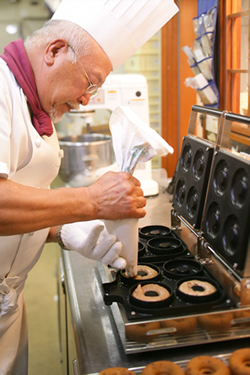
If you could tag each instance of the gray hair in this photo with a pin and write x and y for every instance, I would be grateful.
(78, 38)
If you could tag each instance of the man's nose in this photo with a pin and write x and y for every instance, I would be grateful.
(84, 99)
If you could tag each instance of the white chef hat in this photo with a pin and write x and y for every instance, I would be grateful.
(120, 27)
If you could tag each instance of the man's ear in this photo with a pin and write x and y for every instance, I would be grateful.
(54, 49)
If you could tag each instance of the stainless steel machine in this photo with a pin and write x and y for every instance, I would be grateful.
(208, 241)
(203, 235)
(119, 89)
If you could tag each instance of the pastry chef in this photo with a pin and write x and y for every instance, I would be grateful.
(58, 68)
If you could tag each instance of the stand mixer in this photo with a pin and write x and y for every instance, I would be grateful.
(127, 90)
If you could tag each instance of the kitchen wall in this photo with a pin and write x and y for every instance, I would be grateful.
(19, 18)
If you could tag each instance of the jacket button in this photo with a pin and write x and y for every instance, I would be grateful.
(38, 142)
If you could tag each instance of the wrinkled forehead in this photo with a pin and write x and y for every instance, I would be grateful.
(97, 62)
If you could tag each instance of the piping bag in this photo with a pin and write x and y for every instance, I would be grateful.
(133, 141)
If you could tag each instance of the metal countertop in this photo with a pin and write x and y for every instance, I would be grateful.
(97, 340)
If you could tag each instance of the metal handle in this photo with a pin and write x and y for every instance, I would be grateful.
(225, 122)
(226, 130)
(207, 111)
(62, 275)
(75, 368)
(238, 118)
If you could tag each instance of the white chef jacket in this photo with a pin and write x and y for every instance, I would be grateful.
(31, 160)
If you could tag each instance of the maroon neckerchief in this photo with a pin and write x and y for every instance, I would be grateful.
(15, 57)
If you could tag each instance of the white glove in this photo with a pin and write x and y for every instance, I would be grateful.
(92, 240)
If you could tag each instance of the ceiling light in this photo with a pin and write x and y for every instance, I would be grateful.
(11, 29)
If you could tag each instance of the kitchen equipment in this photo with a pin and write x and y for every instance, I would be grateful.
(123, 89)
(93, 340)
(84, 156)
(76, 123)
(225, 201)
(192, 178)
(201, 255)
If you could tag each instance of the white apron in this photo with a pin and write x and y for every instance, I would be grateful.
(31, 160)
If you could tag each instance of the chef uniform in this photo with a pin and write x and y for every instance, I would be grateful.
(32, 160)
(26, 157)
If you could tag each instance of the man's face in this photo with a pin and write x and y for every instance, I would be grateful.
(67, 83)
(70, 91)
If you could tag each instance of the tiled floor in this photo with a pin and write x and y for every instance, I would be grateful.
(41, 300)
